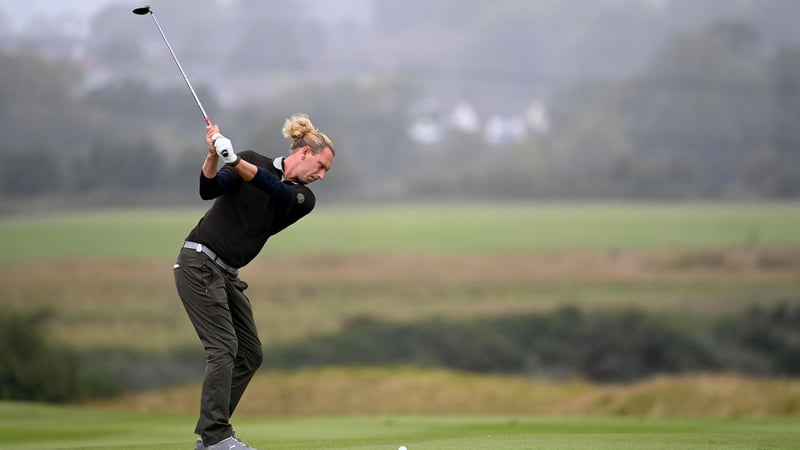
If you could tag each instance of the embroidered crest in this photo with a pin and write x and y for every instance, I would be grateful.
(301, 198)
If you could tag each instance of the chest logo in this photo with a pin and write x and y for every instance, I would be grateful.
(301, 198)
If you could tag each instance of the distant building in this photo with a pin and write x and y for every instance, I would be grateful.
(433, 124)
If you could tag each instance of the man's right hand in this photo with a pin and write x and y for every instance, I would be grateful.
(211, 131)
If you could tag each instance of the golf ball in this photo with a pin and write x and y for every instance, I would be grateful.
(402, 447)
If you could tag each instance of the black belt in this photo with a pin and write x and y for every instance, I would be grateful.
(214, 258)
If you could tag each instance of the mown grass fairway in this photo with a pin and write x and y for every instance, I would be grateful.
(463, 228)
(24, 426)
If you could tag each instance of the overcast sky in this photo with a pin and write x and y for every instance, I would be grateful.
(21, 12)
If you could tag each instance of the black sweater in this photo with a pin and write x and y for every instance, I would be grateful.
(245, 214)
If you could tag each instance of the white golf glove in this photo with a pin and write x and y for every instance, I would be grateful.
(224, 148)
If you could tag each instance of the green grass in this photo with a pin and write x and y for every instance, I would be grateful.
(25, 426)
(412, 228)
(126, 291)
(107, 274)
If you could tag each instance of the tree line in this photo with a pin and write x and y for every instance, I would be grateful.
(710, 113)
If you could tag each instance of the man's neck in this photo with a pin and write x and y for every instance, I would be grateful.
(288, 164)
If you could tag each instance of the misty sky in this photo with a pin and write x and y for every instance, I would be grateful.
(21, 12)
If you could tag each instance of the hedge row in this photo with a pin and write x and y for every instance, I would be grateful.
(608, 346)
(603, 346)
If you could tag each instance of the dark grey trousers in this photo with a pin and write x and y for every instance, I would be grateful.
(223, 318)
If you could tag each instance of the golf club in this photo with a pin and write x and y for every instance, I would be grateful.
(148, 10)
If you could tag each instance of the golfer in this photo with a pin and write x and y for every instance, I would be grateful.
(256, 197)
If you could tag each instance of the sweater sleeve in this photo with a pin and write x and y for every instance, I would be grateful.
(211, 188)
(270, 184)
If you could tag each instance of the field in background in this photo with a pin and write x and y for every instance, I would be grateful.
(133, 303)
(108, 278)
(24, 427)
(460, 228)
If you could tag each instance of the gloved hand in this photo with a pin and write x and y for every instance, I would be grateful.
(224, 148)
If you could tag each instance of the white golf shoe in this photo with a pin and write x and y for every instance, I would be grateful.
(231, 443)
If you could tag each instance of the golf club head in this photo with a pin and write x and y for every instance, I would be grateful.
(143, 10)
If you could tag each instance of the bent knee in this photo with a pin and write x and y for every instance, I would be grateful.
(256, 357)
(253, 354)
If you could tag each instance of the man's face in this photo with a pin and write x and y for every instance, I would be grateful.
(312, 167)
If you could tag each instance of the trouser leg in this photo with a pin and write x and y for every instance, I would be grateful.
(249, 355)
(202, 289)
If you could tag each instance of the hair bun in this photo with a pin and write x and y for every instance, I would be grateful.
(297, 126)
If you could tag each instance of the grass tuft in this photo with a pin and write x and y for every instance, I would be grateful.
(406, 390)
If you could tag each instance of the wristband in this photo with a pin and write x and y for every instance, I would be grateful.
(235, 162)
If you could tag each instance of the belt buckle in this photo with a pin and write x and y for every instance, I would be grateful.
(199, 248)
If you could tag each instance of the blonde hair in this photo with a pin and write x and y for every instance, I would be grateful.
(299, 129)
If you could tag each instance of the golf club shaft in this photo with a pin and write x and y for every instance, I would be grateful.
(185, 78)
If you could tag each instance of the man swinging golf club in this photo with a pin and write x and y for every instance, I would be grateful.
(256, 197)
